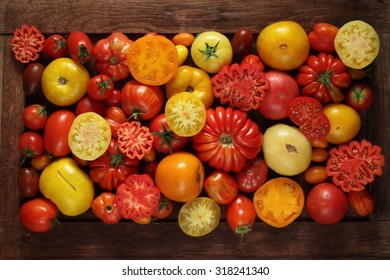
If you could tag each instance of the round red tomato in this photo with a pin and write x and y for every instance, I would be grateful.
(38, 215)
(221, 187)
(30, 144)
(79, 46)
(241, 215)
(100, 87)
(140, 100)
(89, 104)
(55, 46)
(282, 89)
(114, 99)
(164, 208)
(326, 204)
(321, 37)
(116, 114)
(252, 176)
(104, 207)
(359, 96)
(35, 117)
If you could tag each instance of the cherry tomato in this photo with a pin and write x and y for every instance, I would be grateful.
(315, 174)
(164, 209)
(30, 144)
(32, 76)
(89, 104)
(28, 182)
(38, 215)
(79, 46)
(104, 207)
(35, 117)
(55, 46)
(183, 38)
(359, 96)
(241, 215)
(242, 43)
(319, 155)
(221, 187)
(100, 87)
(252, 176)
(41, 161)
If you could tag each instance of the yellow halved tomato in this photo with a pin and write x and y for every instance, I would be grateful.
(182, 54)
(152, 60)
(357, 44)
(89, 136)
(185, 114)
(279, 201)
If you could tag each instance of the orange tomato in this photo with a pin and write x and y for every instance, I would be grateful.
(279, 201)
(319, 155)
(315, 174)
(180, 176)
(41, 161)
(322, 144)
(183, 38)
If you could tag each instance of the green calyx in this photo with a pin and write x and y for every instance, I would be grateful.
(116, 159)
(325, 78)
(104, 85)
(210, 51)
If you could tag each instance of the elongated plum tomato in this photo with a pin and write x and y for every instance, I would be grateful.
(242, 43)
(38, 215)
(241, 215)
(32, 76)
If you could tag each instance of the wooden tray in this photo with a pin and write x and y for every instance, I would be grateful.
(90, 239)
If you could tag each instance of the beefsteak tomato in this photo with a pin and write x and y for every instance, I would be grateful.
(252, 176)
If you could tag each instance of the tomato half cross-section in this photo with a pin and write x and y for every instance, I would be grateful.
(27, 43)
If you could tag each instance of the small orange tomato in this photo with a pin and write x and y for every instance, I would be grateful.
(361, 202)
(104, 207)
(319, 155)
(41, 161)
(183, 38)
(323, 143)
(143, 221)
(315, 174)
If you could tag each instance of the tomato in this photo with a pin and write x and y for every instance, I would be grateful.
(32, 76)
(359, 96)
(143, 221)
(112, 168)
(183, 38)
(321, 37)
(180, 176)
(35, 116)
(354, 165)
(358, 74)
(315, 174)
(211, 51)
(149, 167)
(243, 86)
(283, 45)
(64, 81)
(89, 104)
(192, 80)
(323, 77)
(252, 176)
(134, 139)
(41, 161)
(361, 202)
(116, 114)
(38, 215)
(322, 143)
(306, 112)
(228, 139)
(165, 140)
(357, 44)
(319, 155)
(152, 60)
(345, 123)
(326, 204)
(241, 215)
(282, 89)
(253, 59)
(199, 216)
(28, 182)
(68, 186)
(279, 201)
(185, 114)
(141, 101)
(182, 54)
(30, 145)
(89, 136)
(104, 207)
(55, 46)
(137, 197)
(100, 87)
(79, 46)
(114, 99)
(221, 187)
(27, 43)
(242, 43)
(111, 56)
(286, 150)
(55, 134)
(164, 208)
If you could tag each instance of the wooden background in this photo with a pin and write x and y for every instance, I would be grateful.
(87, 238)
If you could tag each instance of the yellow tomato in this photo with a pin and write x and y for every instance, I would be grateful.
(192, 80)
(283, 45)
(344, 121)
(182, 53)
(69, 187)
(64, 81)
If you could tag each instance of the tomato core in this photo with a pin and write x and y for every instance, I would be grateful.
(62, 81)
(210, 51)
(226, 139)
(190, 89)
(291, 148)
(283, 46)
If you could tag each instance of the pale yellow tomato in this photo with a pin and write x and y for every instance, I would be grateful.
(182, 53)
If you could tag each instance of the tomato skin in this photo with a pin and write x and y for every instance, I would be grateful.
(104, 207)
(38, 215)
(55, 46)
(35, 117)
(359, 96)
(116, 114)
(361, 202)
(28, 182)
(114, 99)
(79, 46)
(221, 187)
(326, 204)
(183, 38)
(30, 144)
(89, 104)
(319, 155)
(32, 76)
(242, 43)
(164, 209)
(41, 161)
(241, 215)
(100, 87)
(321, 37)
(252, 176)
(315, 174)
(55, 134)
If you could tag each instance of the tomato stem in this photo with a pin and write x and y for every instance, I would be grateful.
(210, 51)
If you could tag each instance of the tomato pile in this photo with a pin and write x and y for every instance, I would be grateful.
(130, 128)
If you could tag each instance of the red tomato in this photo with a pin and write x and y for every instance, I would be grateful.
(116, 114)
(89, 104)
(28, 182)
(252, 176)
(165, 140)
(114, 99)
(35, 117)
(242, 43)
(164, 208)
(30, 144)
(55, 46)
(359, 96)
(321, 37)
(253, 59)
(38, 215)
(104, 207)
(241, 215)
(27, 43)
(149, 167)
(221, 187)
(282, 89)
(141, 101)
(326, 204)
(55, 134)
(100, 87)
(79, 46)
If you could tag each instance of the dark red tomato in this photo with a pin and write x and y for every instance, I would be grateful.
(241, 215)
(104, 207)
(141, 101)
(221, 187)
(326, 204)
(165, 140)
(114, 99)
(88, 104)
(282, 89)
(55, 46)
(116, 114)
(164, 209)
(30, 145)
(55, 134)
(32, 76)
(253, 59)
(321, 37)
(100, 87)
(79, 46)
(242, 42)
(252, 176)
(149, 167)
(28, 182)
(38, 215)
(35, 117)
(359, 96)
